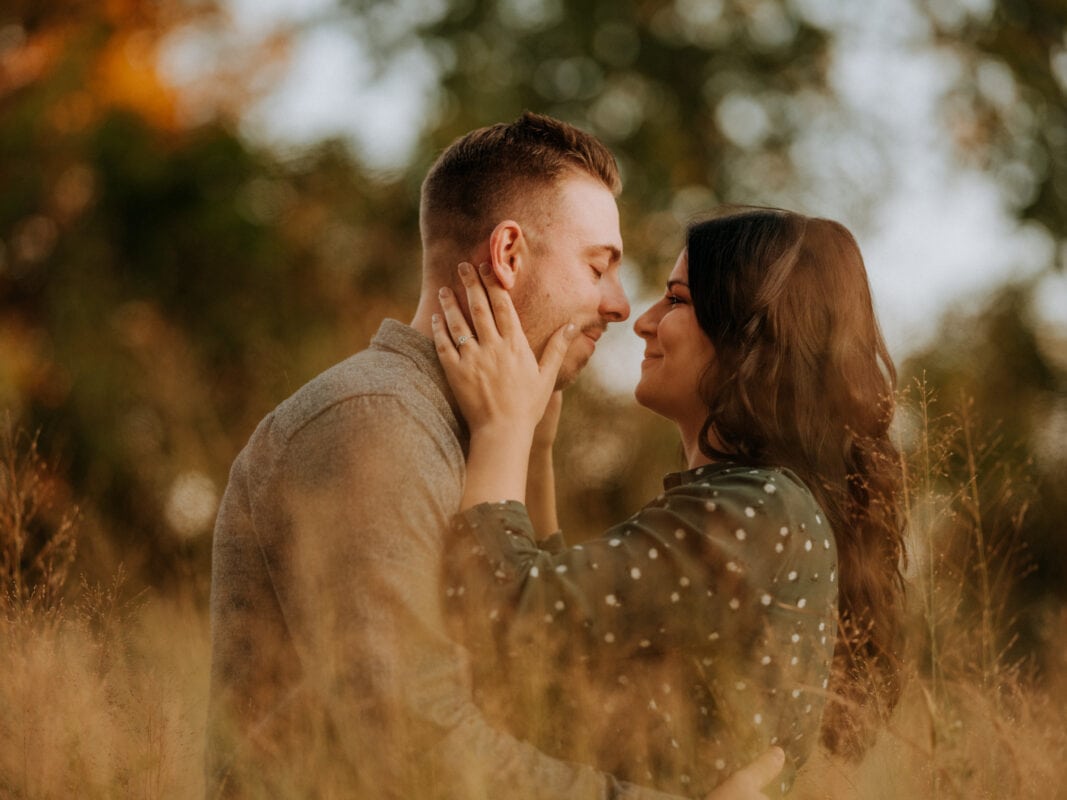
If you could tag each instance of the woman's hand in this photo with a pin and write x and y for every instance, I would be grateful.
(501, 388)
(748, 783)
(494, 374)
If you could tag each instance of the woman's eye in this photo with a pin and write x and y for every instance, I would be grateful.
(673, 300)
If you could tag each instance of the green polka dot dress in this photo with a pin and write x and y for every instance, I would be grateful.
(669, 651)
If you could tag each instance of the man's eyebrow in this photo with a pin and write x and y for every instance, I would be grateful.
(614, 254)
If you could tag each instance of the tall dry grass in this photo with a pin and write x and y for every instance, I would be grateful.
(102, 694)
(103, 691)
(978, 719)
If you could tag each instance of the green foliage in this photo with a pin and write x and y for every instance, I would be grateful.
(1007, 377)
(163, 286)
(1007, 114)
(1008, 111)
(174, 284)
(655, 80)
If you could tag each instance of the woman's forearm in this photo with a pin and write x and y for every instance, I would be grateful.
(497, 466)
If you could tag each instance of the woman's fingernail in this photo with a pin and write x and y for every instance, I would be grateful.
(484, 270)
(443, 292)
(570, 330)
(464, 268)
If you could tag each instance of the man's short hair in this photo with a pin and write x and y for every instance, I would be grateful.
(465, 192)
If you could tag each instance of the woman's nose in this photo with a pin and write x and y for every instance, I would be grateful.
(644, 325)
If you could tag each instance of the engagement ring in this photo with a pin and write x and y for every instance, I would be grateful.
(462, 340)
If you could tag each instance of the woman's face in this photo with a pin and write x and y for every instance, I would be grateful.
(677, 353)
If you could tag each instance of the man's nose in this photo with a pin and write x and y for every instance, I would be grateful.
(614, 306)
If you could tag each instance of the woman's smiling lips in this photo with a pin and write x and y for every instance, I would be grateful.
(649, 357)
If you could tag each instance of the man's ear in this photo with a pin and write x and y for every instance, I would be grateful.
(508, 252)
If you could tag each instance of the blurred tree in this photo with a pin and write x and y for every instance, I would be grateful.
(699, 100)
(701, 103)
(162, 286)
(1003, 373)
(1007, 114)
(1008, 110)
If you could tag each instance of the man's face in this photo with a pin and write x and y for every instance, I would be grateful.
(573, 275)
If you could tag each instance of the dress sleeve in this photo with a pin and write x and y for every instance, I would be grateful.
(693, 567)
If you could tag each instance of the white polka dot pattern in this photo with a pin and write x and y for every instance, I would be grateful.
(724, 556)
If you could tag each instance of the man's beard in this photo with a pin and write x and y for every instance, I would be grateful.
(530, 305)
(568, 371)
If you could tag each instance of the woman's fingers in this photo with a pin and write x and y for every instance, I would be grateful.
(491, 311)
(747, 783)
(456, 323)
(478, 302)
(507, 319)
(446, 348)
(496, 380)
(555, 350)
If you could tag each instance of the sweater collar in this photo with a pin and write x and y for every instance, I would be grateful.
(396, 337)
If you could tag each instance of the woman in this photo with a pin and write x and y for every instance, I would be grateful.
(757, 601)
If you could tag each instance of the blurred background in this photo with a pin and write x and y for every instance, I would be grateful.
(204, 203)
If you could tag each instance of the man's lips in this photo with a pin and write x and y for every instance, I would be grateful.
(593, 333)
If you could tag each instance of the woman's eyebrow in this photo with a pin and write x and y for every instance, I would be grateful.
(672, 284)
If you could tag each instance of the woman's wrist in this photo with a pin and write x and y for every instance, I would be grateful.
(503, 432)
(497, 466)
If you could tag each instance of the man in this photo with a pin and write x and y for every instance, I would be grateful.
(332, 673)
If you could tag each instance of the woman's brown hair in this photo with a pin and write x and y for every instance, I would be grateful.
(802, 379)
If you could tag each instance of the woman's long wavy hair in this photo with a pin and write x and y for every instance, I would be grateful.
(802, 379)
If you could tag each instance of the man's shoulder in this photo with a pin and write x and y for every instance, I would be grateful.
(372, 381)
